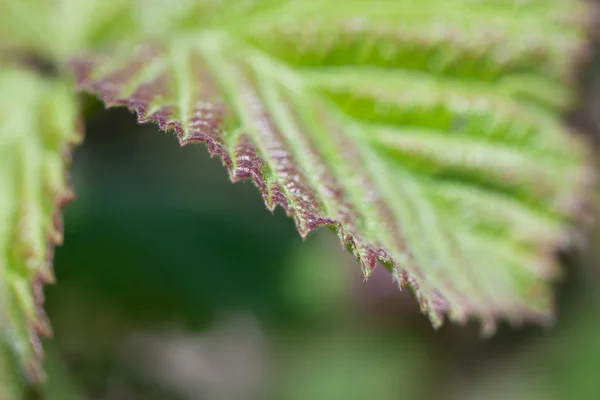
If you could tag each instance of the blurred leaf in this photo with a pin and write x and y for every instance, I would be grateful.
(355, 363)
(55, 28)
(317, 282)
(426, 133)
(576, 346)
(561, 365)
(12, 385)
(59, 385)
(37, 128)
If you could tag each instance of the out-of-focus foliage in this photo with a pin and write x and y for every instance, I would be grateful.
(11, 381)
(38, 119)
(55, 29)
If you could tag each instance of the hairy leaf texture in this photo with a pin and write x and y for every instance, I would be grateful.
(426, 133)
(37, 128)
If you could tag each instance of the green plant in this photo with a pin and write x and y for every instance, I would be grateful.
(426, 133)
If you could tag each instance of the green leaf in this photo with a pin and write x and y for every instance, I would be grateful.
(428, 134)
(37, 128)
(12, 384)
(53, 29)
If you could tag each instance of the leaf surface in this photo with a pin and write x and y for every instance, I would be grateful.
(427, 134)
(37, 128)
(54, 29)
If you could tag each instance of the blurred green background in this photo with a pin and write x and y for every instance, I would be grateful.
(175, 284)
